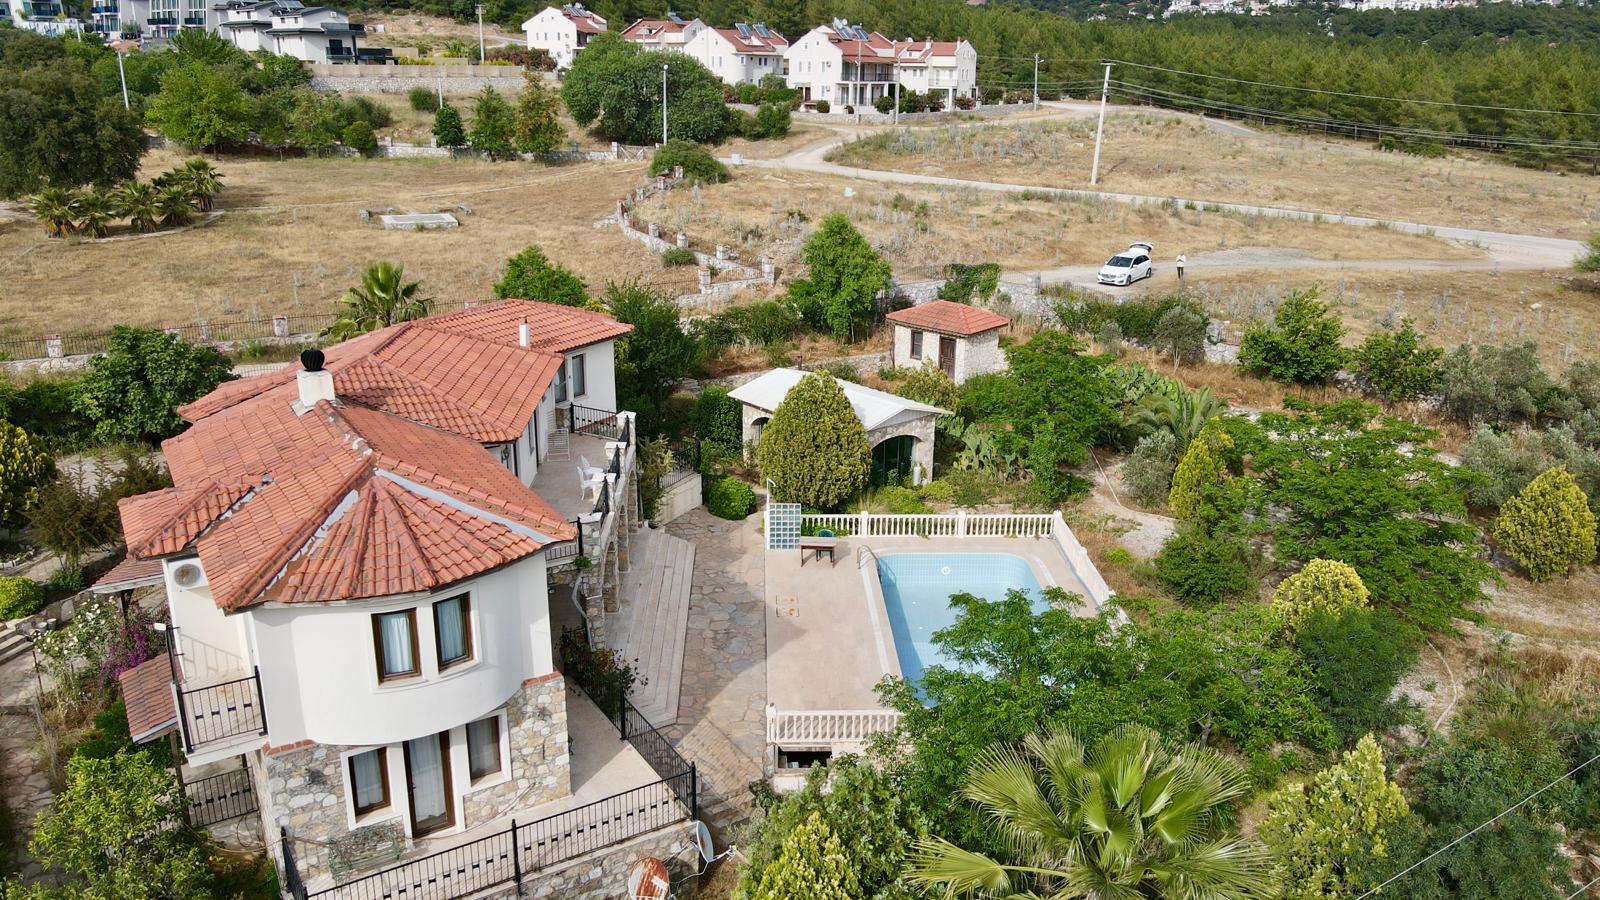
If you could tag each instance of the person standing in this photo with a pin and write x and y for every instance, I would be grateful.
(1180, 262)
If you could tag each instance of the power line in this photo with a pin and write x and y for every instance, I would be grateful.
(1591, 884)
(1507, 811)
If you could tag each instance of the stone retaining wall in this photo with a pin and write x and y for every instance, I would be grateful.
(871, 116)
(457, 80)
(604, 875)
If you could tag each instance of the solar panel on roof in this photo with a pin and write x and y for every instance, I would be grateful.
(674, 18)
(744, 30)
(761, 29)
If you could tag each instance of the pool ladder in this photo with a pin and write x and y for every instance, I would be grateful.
(864, 553)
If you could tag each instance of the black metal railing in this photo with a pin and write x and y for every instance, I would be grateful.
(219, 711)
(520, 851)
(598, 422)
(567, 549)
(658, 752)
(220, 798)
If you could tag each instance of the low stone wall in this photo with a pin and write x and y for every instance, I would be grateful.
(678, 498)
(722, 260)
(871, 116)
(604, 875)
(456, 80)
(1024, 295)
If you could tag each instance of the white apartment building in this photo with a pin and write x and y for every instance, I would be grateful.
(670, 34)
(314, 34)
(743, 54)
(47, 17)
(563, 31)
(846, 65)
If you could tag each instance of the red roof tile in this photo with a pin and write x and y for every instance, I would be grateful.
(147, 692)
(128, 574)
(947, 317)
(551, 326)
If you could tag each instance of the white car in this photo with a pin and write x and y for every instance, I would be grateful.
(1128, 266)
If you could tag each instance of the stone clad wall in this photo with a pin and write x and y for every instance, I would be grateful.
(536, 719)
(921, 428)
(604, 875)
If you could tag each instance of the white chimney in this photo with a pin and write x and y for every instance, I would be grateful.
(523, 337)
(315, 382)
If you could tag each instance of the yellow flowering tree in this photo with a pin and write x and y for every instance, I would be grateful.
(1323, 586)
(25, 468)
(1548, 527)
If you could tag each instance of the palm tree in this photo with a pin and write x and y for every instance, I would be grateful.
(137, 200)
(1183, 415)
(94, 210)
(175, 205)
(202, 179)
(1136, 818)
(382, 298)
(55, 208)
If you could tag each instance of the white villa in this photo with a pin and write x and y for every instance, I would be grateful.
(743, 54)
(47, 17)
(670, 34)
(846, 65)
(899, 431)
(366, 559)
(563, 31)
(962, 340)
(315, 34)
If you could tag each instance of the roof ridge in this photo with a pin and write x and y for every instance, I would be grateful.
(193, 501)
(473, 407)
(360, 531)
(407, 532)
(472, 496)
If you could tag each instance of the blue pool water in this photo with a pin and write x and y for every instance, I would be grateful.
(916, 594)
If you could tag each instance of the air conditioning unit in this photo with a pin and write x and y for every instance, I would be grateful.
(187, 575)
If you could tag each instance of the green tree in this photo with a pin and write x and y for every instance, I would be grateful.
(814, 449)
(1356, 660)
(1548, 527)
(929, 384)
(658, 353)
(1201, 568)
(73, 518)
(358, 136)
(846, 275)
(1322, 586)
(812, 866)
(1301, 345)
(1395, 364)
(717, 420)
(447, 128)
(119, 825)
(383, 298)
(1495, 384)
(201, 106)
(1148, 471)
(614, 87)
(1314, 830)
(137, 200)
(1201, 484)
(1183, 415)
(773, 120)
(57, 209)
(530, 275)
(198, 46)
(133, 390)
(699, 166)
(1181, 334)
(1137, 816)
(494, 124)
(56, 130)
(538, 128)
(25, 468)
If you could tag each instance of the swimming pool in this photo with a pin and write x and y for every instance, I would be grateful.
(916, 597)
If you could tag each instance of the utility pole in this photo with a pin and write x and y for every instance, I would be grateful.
(480, 33)
(1100, 129)
(897, 87)
(663, 104)
(123, 77)
(1036, 82)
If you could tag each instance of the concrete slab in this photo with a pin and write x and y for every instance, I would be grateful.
(558, 480)
(418, 221)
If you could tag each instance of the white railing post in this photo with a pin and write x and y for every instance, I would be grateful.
(864, 526)
(961, 523)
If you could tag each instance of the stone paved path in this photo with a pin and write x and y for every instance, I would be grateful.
(24, 783)
(722, 708)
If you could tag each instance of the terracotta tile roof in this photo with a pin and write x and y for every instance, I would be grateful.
(771, 42)
(128, 574)
(147, 691)
(947, 317)
(551, 326)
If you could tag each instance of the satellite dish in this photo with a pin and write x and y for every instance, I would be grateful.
(648, 880)
(187, 575)
(702, 840)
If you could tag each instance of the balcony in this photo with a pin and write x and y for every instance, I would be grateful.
(104, 10)
(212, 714)
(161, 20)
(194, 21)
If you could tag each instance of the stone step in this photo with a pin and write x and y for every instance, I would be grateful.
(651, 626)
(12, 644)
(725, 775)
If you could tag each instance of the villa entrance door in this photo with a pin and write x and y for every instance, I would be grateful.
(947, 355)
(428, 783)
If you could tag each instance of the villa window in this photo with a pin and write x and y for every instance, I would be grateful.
(483, 748)
(452, 630)
(369, 780)
(580, 380)
(395, 637)
(916, 345)
(561, 383)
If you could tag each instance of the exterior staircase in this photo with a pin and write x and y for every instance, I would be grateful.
(12, 643)
(651, 623)
(560, 445)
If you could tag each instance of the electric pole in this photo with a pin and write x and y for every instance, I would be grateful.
(663, 104)
(1036, 82)
(123, 77)
(1100, 129)
(480, 33)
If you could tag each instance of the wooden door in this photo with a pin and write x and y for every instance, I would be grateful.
(428, 783)
(947, 355)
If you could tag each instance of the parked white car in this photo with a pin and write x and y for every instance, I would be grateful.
(1128, 266)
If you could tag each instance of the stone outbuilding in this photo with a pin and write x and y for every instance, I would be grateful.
(899, 431)
(962, 340)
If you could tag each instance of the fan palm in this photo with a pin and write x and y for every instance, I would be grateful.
(1135, 818)
(94, 210)
(54, 207)
(175, 205)
(1183, 415)
(202, 179)
(137, 200)
(383, 298)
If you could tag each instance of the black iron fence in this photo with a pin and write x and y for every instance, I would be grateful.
(219, 711)
(220, 797)
(602, 423)
(659, 753)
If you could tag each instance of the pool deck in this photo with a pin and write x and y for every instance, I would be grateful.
(828, 641)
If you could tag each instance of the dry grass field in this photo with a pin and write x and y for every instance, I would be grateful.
(408, 29)
(291, 240)
(920, 229)
(1157, 153)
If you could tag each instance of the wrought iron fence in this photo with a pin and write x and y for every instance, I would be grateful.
(220, 797)
(601, 423)
(659, 753)
(219, 711)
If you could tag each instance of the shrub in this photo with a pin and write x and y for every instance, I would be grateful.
(940, 490)
(601, 673)
(963, 281)
(1496, 384)
(1590, 261)
(699, 166)
(1109, 337)
(1548, 527)
(884, 104)
(1148, 471)
(133, 390)
(1139, 320)
(422, 99)
(1181, 334)
(893, 500)
(1322, 586)
(448, 131)
(717, 420)
(730, 498)
(25, 468)
(930, 385)
(1300, 346)
(530, 275)
(358, 136)
(1509, 462)
(773, 121)
(1202, 569)
(1357, 659)
(748, 94)
(677, 256)
(1201, 475)
(812, 865)
(815, 449)
(19, 597)
(1396, 365)
(822, 106)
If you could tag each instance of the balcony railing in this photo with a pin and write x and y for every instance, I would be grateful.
(161, 20)
(217, 712)
(194, 20)
(220, 798)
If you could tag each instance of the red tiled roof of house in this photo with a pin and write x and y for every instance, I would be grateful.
(947, 317)
(587, 21)
(771, 42)
(147, 692)
(551, 326)
(131, 573)
(645, 30)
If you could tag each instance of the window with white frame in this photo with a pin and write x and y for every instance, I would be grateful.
(394, 636)
(369, 781)
(484, 757)
(452, 631)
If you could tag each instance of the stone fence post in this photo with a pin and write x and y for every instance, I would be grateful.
(683, 240)
(52, 346)
(769, 271)
(705, 280)
(280, 326)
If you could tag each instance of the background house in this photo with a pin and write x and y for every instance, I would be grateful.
(847, 65)
(962, 340)
(671, 33)
(47, 17)
(315, 34)
(563, 31)
(742, 54)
